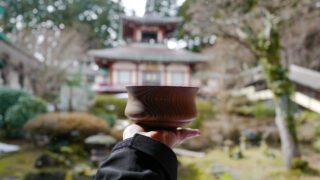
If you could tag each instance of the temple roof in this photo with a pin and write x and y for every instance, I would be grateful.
(152, 19)
(304, 76)
(300, 75)
(16, 53)
(148, 52)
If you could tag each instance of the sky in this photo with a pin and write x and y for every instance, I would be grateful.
(139, 6)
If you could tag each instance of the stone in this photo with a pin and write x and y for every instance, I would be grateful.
(252, 136)
(44, 160)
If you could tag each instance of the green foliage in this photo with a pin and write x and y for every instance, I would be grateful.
(298, 163)
(8, 97)
(164, 7)
(277, 78)
(317, 131)
(108, 104)
(262, 110)
(205, 112)
(316, 145)
(98, 18)
(110, 119)
(305, 116)
(236, 153)
(257, 110)
(17, 115)
(225, 176)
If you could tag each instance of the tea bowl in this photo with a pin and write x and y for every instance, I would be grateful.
(161, 107)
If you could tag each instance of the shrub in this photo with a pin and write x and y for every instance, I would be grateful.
(307, 116)
(8, 97)
(205, 112)
(298, 163)
(17, 115)
(108, 104)
(317, 132)
(110, 119)
(67, 124)
(263, 110)
(257, 110)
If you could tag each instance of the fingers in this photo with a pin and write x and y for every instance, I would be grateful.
(131, 130)
(171, 138)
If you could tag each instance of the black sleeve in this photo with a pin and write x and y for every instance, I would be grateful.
(139, 158)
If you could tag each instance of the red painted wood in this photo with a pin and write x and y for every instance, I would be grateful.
(110, 73)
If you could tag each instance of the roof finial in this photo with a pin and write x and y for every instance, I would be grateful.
(149, 7)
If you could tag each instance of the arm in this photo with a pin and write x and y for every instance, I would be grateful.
(139, 157)
(144, 155)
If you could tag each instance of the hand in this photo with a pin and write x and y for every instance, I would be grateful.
(170, 138)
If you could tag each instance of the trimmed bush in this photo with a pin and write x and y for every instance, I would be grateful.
(8, 97)
(108, 104)
(67, 124)
(205, 112)
(17, 115)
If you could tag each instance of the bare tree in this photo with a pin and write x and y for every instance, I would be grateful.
(59, 51)
(257, 26)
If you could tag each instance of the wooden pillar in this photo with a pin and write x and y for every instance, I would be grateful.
(191, 66)
(110, 73)
(137, 73)
(21, 75)
(165, 74)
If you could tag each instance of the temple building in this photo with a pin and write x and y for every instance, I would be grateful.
(15, 66)
(144, 59)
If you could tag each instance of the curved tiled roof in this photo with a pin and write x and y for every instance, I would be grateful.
(153, 19)
(148, 52)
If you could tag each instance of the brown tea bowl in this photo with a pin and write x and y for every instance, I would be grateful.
(161, 107)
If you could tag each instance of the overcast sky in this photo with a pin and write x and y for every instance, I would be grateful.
(138, 6)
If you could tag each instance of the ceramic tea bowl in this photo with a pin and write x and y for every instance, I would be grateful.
(161, 106)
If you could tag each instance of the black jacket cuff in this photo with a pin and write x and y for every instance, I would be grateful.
(154, 148)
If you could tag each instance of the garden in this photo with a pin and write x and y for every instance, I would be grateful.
(69, 145)
(256, 63)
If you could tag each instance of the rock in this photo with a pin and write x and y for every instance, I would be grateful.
(251, 135)
(227, 145)
(44, 161)
(100, 139)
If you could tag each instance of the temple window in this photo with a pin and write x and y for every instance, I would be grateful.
(177, 78)
(151, 78)
(124, 77)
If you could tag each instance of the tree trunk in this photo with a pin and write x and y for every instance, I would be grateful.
(285, 123)
(70, 98)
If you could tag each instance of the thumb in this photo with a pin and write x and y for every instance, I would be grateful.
(184, 134)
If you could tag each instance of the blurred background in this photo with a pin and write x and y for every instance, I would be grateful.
(64, 65)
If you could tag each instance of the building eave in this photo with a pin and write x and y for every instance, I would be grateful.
(147, 53)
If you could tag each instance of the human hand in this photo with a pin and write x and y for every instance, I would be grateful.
(170, 138)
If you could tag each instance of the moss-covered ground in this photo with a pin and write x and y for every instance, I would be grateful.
(254, 166)
(19, 163)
